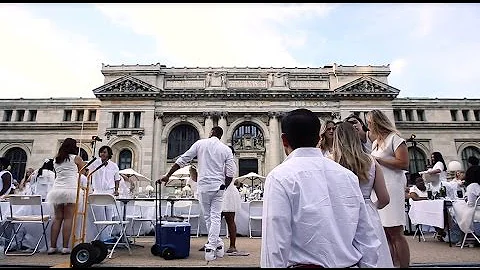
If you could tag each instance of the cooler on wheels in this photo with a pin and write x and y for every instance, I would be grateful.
(172, 235)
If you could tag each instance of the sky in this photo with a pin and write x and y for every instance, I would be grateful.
(57, 50)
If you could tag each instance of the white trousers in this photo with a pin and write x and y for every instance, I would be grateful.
(211, 204)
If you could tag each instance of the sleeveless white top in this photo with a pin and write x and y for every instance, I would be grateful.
(67, 174)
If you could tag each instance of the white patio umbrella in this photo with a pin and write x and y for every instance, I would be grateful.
(131, 174)
(251, 178)
(176, 181)
(182, 172)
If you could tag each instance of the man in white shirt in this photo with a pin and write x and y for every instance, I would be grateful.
(105, 180)
(216, 167)
(314, 214)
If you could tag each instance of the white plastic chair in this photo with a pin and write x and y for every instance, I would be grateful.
(193, 211)
(109, 200)
(472, 228)
(255, 212)
(140, 207)
(44, 220)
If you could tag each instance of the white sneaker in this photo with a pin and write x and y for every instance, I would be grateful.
(210, 254)
(220, 252)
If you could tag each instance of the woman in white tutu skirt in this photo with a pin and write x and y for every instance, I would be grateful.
(348, 152)
(64, 192)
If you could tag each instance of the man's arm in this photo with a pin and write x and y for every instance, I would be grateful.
(276, 225)
(165, 178)
(230, 169)
(181, 161)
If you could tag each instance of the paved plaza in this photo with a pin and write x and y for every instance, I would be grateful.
(431, 253)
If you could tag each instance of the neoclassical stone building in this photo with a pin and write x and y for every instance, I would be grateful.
(150, 114)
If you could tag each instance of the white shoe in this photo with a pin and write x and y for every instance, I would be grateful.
(220, 252)
(210, 254)
(51, 250)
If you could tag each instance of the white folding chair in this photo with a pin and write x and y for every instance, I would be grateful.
(255, 212)
(140, 208)
(188, 210)
(475, 218)
(24, 201)
(109, 200)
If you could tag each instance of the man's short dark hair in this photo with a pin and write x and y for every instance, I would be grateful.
(473, 160)
(217, 132)
(109, 151)
(301, 128)
(364, 127)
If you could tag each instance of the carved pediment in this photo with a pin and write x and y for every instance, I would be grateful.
(127, 86)
(367, 86)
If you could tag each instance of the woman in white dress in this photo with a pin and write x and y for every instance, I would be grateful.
(390, 151)
(42, 180)
(326, 137)
(230, 205)
(63, 193)
(464, 210)
(437, 174)
(348, 152)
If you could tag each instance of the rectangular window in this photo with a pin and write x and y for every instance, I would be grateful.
(476, 114)
(32, 116)
(92, 115)
(126, 120)
(453, 115)
(7, 117)
(136, 119)
(465, 115)
(20, 115)
(67, 115)
(397, 115)
(115, 119)
(79, 115)
(408, 115)
(421, 115)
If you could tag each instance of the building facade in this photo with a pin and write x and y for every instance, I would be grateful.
(150, 114)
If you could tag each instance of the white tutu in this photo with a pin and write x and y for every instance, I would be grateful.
(231, 199)
(62, 195)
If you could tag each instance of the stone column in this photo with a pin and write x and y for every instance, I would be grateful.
(403, 115)
(208, 123)
(414, 115)
(471, 115)
(156, 151)
(132, 120)
(222, 122)
(274, 151)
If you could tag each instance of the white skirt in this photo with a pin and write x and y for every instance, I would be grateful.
(231, 199)
(62, 195)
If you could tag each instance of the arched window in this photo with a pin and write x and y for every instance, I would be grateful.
(83, 154)
(18, 162)
(416, 160)
(125, 159)
(248, 136)
(180, 139)
(468, 152)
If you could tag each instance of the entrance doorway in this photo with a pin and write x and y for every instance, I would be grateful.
(247, 165)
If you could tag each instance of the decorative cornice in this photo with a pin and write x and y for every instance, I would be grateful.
(366, 87)
(126, 87)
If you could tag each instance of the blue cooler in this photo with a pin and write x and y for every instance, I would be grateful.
(172, 240)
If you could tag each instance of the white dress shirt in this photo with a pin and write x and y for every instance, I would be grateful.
(103, 180)
(314, 213)
(215, 161)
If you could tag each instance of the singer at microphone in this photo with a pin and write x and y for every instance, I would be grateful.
(105, 179)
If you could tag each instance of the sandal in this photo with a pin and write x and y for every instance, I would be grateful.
(231, 250)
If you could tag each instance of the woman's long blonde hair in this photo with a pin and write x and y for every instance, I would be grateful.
(380, 126)
(348, 151)
(323, 140)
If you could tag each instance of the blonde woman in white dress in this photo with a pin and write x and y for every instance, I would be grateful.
(347, 151)
(63, 193)
(390, 151)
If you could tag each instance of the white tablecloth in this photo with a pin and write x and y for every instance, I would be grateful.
(427, 212)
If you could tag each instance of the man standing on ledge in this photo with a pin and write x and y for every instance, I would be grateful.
(314, 214)
(216, 167)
